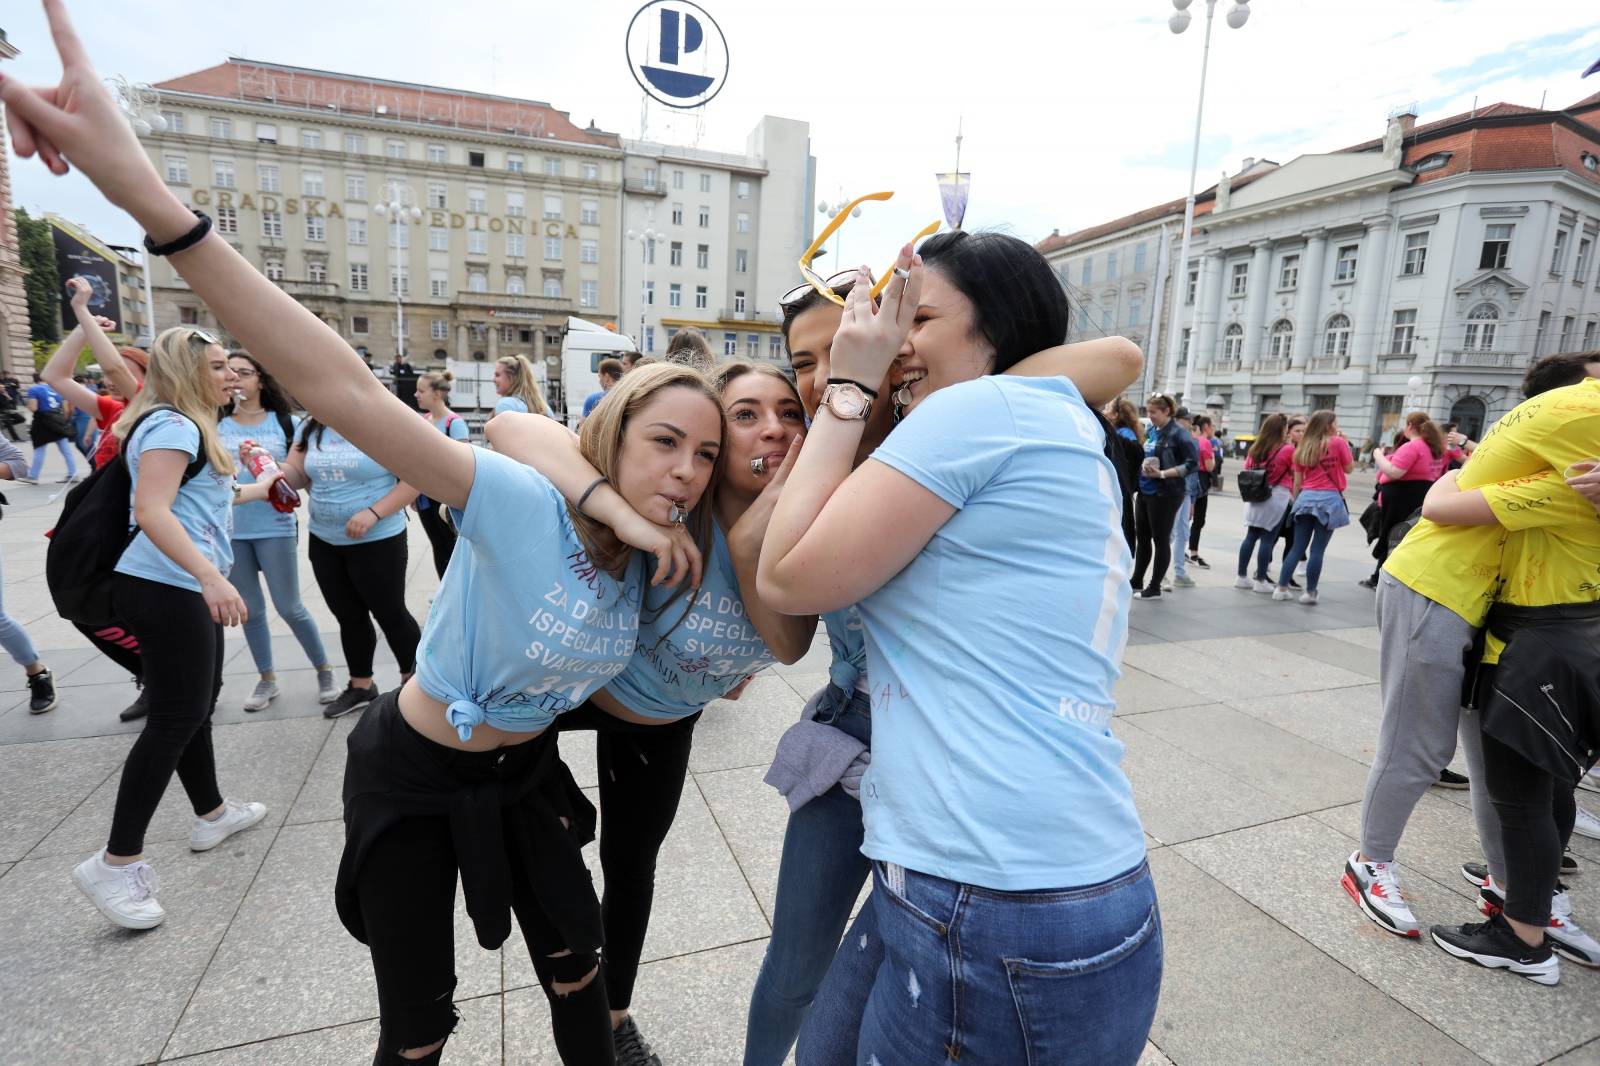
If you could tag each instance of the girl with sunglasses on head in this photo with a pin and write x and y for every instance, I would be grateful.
(265, 540)
(171, 591)
(694, 647)
(456, 772)
(822, 867)
(433, 397)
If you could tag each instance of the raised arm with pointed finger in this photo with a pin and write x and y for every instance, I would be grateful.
(77, 121)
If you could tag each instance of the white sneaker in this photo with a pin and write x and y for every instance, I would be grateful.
(235, 817)
(125, 894)
(1183, 581)
(327, 689)
(1266, 588)
(1281, 595)
(1243, 583)
(1566, 939)
(265, 693)
(1587, 824)
(1375, 887)
(1591, 780)
(1166, 585)
(1309, 598)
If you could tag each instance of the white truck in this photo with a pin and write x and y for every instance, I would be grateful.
(583, 345)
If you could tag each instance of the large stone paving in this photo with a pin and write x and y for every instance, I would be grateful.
(1249, 726)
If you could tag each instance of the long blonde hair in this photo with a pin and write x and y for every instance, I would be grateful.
(600, 442)
(1314, 445)
(180, 376)
(524, 384)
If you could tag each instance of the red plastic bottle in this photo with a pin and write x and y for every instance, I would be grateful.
(282, 495)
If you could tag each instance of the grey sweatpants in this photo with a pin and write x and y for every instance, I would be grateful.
(1423, 645)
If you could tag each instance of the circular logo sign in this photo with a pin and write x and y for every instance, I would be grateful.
(677, 53)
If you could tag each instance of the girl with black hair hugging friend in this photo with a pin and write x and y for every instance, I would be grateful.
(990, 575)
(265, 540)
(694, 647)
(821, 761)
(456, 771)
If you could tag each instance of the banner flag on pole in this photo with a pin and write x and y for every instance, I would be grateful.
(953, 189)
(1594, 68)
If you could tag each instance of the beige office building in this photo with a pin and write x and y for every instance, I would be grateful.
(515, 227)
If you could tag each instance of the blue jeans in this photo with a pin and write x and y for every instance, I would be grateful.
(38, 460)
(1307, 531)
(275, 557)
(819, 878)
(1260, 541)
(937, 970)
(15, 639)
(1180, 538)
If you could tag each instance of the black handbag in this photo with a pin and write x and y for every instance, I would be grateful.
(1253, 487)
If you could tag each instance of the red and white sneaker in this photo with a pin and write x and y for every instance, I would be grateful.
(1375, 887)
(1566, 939)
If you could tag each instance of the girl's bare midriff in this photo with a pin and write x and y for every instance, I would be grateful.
(427, 716)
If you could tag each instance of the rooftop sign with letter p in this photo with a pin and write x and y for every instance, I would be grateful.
(677, 53)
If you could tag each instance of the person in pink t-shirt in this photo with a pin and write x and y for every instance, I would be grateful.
(1322, 463)
(1406, 477)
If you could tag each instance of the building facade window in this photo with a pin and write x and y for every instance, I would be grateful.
(311, 139)
(317, 271)
(738, 302)
(311, 183)
(1336, 337)
(1567, 325)
(395, 149)
(268, 176)
(742, 190)
(588, 294)
(674, 295)
(1416, 255)
(1183, 347)
(1194, 283)
(591, 172)
(477, 242)
(701, 298)
(1580, 266)
(358, 277)
(677, 214)
(437, 195)
(589, 252)
(1086, 275)
(1281, 339)
(552, 168)
(1588, 334)
(705, 217)
(741, 222)
(1540, 334)
(438, 283)
(174, 121)
(316, 228)
(1483, 322)
(552, 206)
(355, 186)
(438, 153)
(399, 235)
(438, 239)
(1111, 266)
(1496, 246)
(552, 248)
(359, 325)
(400, 281)
(355, 231)
(1239, 279)
(677, 179)
(177, 169)
(702, 256)
(515, 163)
(516, 246)
(1232, 343)
(222, 175)
(439, 330)
(552, 288)
(272, 225)
(1138, 258)
(516, 203)
(227, 220)
(222, 128)
(477, 281)
(1344, 267)
(650, 294)
(515, 285)
(477, 201)
(266, 133)
(1289, 272)
(1403, 333)
(741, 261)
(705, 183)
(1558, 252)
(730, 345)
(355, 144)
(675, 254)
(274, 269)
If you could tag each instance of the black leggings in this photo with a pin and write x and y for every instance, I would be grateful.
(1198, 520)
(1536, 817)
(1155, 515)
(180, 650)
(440, 536)
(407, 889)
(361, 582)
(642, 770)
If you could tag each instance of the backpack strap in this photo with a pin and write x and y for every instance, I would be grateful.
(190, 471)
(286, 424)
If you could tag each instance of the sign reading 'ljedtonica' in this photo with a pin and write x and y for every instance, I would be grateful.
(677, 53)
(314, 208)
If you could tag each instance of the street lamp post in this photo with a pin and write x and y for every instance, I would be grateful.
(141, 105)
(832, 211)
(1237, 17)
(647, 238)
(399, 206)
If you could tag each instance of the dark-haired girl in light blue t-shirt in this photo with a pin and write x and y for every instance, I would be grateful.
(989, 568)
(694, 647)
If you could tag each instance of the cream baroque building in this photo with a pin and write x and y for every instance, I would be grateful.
(16, 357)
(518, 207)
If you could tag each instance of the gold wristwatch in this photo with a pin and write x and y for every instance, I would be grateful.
(847, 402)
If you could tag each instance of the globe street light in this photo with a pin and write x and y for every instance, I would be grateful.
(399, 206)
(141, 106)
(647, 238)
(832, 211)
(1237, 17)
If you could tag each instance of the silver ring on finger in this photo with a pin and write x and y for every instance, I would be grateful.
(902, 273)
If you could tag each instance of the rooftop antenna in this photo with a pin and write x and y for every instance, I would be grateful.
(958, 143)
(1541, 98)
(1474, 107)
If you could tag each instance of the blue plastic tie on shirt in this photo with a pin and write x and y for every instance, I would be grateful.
(464, 715)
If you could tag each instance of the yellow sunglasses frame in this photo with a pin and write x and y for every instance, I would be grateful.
(833, 227)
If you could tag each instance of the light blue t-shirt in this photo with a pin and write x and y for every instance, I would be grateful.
(510, 403)
(344, 480)
(203, 506)
(692, 651)
(259, 520)
(848, 642)
(453, 425)
(994, 652)
(523, 626)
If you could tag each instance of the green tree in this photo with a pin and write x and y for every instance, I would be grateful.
(38, 253)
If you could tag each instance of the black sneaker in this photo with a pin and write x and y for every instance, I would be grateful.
(1494, 945)
(41, 692)
(630, 1046)
(1451, 779)
(1293, 583)
(350, 700)
(135, 710)
(1476, 873)
(1368, 582)
(1148, 594)
(1197, 561)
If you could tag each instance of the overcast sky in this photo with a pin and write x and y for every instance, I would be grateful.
(1074, 112)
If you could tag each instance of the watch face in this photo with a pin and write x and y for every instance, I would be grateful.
(846, 401)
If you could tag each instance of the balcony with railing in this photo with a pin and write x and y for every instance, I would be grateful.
(729, 314)
(1224, 364)
(640, 187)
(528, 303)
(1396, 361)
(1327, 364)
(327, 290)
(1488, 360)
(1272, 365)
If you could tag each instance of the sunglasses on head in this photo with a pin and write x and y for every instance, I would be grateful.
(833, 283)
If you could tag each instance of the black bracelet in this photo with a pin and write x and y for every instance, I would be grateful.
(187, 241)
(375, 513)
(872, 394)
(596, 483)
